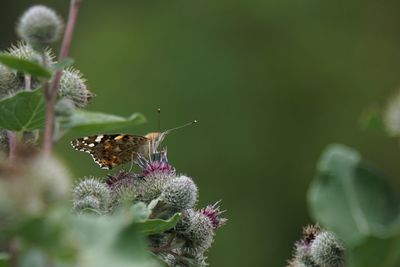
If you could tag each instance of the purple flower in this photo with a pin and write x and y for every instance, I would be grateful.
(213, 213)
(157, 164)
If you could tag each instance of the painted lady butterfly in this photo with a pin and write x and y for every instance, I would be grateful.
(111, 150)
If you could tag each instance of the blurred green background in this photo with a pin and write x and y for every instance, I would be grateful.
(270, 82)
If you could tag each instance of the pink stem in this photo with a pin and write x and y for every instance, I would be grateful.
(52, 90)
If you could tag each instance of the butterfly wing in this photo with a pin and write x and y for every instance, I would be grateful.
(110, 150)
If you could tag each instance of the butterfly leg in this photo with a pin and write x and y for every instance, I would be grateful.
(134, 155)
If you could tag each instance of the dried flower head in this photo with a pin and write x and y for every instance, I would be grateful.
(40, 26)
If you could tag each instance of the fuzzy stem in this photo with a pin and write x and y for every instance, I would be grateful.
(52, 90)
(28, 81)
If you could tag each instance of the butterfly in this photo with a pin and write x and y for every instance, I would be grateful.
(111, 150)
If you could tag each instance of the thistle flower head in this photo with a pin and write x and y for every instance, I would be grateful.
(158, 164)
(213, 213)
(185, 220)
(73, 86)
(318, 248)
(199, 235)
(12, 81)
(180, 193)
(156, 172)
(87, 203)
(123, 187)
(91, 193)
(24, 50)
(310, 232)
(327, 250)
(40, 26)
(302, 254)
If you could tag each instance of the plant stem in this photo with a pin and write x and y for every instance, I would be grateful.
(28, 81)
(52, 90)
(12, 144)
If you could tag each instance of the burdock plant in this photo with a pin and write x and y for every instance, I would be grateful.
(318, 248)
(167, 195)
(118, 220)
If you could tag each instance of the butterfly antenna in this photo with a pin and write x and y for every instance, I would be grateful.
(179, 127)
(159, 119)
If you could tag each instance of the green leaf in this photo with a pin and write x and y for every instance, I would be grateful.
(375, 252)
(25, 111)
(95, 122)
(157, 226)
(350, 198)
(66, 62)
(105, 241)
(25, 66)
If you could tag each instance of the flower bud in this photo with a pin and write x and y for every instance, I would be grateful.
(151, 186)
(327, 250)
(40, 26)
(318, 248)
(199, 235)
(180, 193)
(123, 187)
(73, 86)
(213, 213)
(12, 81)
(25, 51)
(93, 194)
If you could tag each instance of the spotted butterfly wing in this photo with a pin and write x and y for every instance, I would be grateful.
(110, 150)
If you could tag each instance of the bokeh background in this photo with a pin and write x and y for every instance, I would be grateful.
(270, 82)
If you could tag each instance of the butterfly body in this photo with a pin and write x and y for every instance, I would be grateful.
(110, 150)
